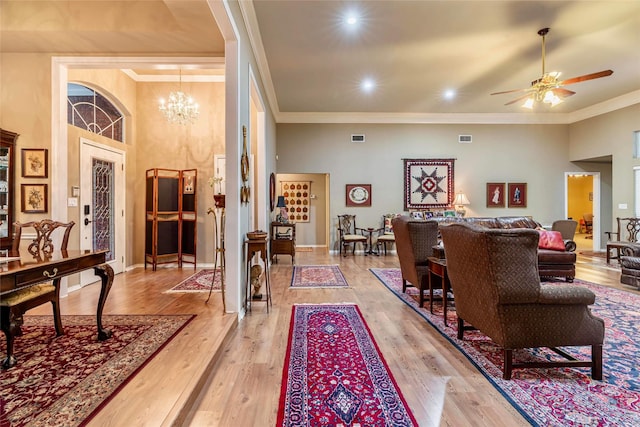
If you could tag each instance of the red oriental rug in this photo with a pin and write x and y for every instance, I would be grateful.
(318, 276)
(199, 282)
(559, 396)
(334, 374)
(64, 381)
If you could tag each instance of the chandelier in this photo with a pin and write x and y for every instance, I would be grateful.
(180, 107)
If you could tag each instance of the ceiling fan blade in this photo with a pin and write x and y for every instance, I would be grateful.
(509, 91)
(591, 76)
(563, 93)
(517, 99)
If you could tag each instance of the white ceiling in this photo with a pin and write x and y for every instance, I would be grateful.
(414, 50)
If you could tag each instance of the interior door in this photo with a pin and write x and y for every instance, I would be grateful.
(102, 196)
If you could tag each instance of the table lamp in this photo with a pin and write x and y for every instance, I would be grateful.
(283, 216)
(460, 201)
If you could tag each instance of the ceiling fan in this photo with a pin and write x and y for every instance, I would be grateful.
(548, 88)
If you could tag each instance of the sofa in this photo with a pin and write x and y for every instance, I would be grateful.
(630, 263)
(551, 262)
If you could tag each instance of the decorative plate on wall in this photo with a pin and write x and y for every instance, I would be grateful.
(358, 195)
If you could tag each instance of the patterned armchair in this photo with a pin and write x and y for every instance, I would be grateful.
(414, 244)
(494, 277)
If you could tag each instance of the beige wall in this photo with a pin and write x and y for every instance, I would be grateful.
(314, 232)
(610, 134)
(171, 146)
(537, 155)
(25, 108)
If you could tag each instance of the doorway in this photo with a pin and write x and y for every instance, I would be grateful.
(582, 204)
(102, 201)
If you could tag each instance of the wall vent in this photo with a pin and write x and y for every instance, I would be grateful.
(464, 139)
(357, 137)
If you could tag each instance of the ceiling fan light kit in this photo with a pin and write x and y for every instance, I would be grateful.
(548, 88)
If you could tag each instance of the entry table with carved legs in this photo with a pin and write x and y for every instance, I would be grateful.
(255, 246)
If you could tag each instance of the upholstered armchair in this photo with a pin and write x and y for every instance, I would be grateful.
(494, 277)
(350, 234)
(630, 263)
(414, 244)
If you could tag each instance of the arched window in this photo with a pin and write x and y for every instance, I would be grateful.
(89, 110)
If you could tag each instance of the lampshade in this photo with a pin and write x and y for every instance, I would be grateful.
(281, 203)
(461, 199)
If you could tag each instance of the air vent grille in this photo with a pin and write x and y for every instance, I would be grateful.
(464, 139)
(357, 137)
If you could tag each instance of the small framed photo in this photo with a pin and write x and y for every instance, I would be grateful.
(34, 198)
(358, 195)
(517, 195)
(35, 163)
(449, 213)
(416, 215)
(495, 194)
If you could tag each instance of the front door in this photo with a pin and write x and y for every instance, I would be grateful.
(102, 195)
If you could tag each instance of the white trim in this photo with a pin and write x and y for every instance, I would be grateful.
(155, 78)
(636, 192)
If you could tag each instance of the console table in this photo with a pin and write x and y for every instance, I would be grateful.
(283, 243)
(30, 270)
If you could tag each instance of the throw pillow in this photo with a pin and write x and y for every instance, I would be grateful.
(551, 240)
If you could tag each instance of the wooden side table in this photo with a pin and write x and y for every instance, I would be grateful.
(253, 247)
(283, 243)
(438, 271)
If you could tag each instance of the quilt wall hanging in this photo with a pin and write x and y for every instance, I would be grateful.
(297, 197)
(428, 183)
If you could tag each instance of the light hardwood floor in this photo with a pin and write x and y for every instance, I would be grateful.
(219, 372)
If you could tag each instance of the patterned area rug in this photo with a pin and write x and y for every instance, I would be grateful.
(198, 282)
(63, 381)
(561, 396)
(318, 276)
(334, 374)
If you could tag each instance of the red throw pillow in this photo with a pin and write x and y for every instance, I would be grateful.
(551, 240)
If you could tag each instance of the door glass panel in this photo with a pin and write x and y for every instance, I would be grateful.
(103, 206)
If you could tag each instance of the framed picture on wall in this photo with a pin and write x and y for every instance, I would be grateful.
(358, 195)
(428, 183)
(495, 194)
(517, 195)
(34, 163)
(33, 198)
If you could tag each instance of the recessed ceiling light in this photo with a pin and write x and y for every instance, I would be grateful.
(368, 84)
(449, 94)
(352, 19)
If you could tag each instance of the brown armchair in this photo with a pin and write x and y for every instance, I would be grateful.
(494, 277)
(14, 305)
(414, 244)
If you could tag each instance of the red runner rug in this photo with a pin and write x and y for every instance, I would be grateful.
(199, 282)
(334, 374)
(318, 276)
(558, 396)
(64, 381)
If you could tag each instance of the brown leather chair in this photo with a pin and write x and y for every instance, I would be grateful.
(414, 244)
(494, 276)
(14, 305)
(630, 263)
